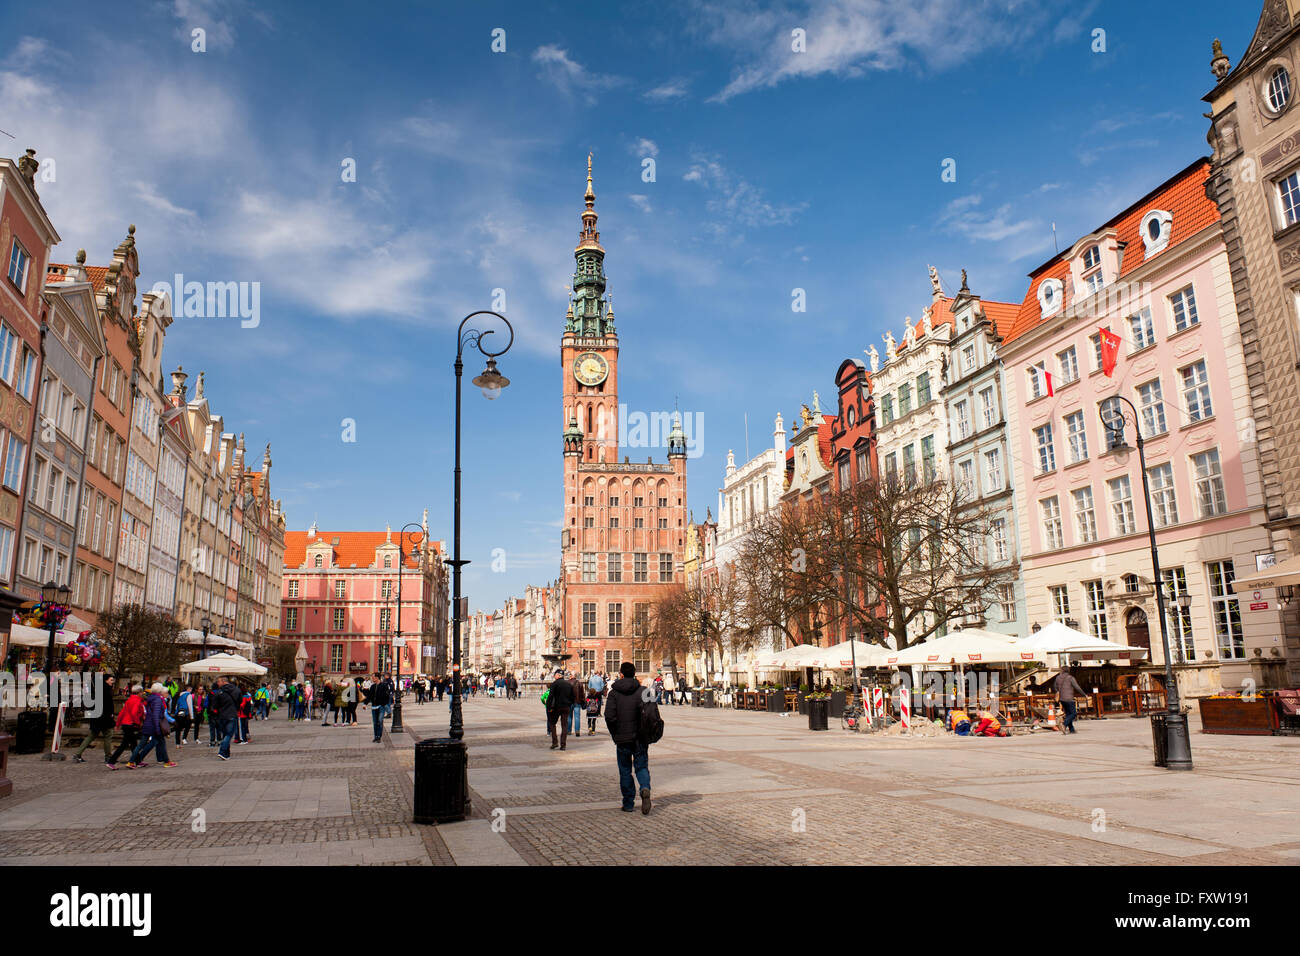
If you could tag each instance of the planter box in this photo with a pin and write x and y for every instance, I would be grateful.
(1228, 715)
(803, 704)
(838, 699)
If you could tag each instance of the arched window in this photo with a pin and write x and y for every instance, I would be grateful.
(318, 561)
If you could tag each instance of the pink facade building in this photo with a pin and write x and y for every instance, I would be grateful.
(1156, 276)
(340, 600)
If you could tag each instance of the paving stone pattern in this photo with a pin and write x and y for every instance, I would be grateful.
(734, 788)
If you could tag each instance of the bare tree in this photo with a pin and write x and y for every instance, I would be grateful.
(136, 640)
(779, 576)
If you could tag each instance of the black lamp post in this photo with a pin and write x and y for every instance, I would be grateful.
(441, 765)
(1178, 740)
(207, 626)
(52, 595)
(397, 643)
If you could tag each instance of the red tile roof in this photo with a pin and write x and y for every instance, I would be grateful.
(57, 272)
(354, 547)
(1183, 196)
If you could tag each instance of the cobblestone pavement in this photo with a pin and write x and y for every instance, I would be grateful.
(729, 787)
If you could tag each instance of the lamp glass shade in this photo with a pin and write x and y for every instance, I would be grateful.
(49, 591)
(1184, 600)
(491, 381)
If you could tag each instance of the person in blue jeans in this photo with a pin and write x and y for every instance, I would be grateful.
(579, 708)
(623, 720)
(226, 697)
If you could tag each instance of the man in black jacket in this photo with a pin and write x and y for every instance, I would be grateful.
(378, 697)
(559, 705)
(623, 719)
(226, 697)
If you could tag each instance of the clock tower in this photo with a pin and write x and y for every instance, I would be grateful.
(623, 539)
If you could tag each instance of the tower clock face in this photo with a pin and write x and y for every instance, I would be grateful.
(590, 368)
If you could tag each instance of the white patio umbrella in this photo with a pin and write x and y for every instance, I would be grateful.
(967, 646)
(1283, 574)
(1058, 638)
(844, 655)
(792, 658)
(224, 664)
(20, 635)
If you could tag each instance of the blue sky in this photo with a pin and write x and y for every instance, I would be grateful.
(774, 170)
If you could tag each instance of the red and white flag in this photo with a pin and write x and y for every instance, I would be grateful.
(1043, 378)
(1109, 351)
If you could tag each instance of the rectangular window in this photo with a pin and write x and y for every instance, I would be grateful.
(640, 619)
(1046, 449)
(1180, 618)
(993, 470)
(1142, 330)
(1164, 503)
(927, 457)
(588, 663)
(1196, 392)
(922, 389)
(962, 423)
(338, 618)
(589, 619)
(1095, 339)
(663, 502)
(293, 589)
(891, 467)
(966, 478)
(864, 472)
(638, 522)
(588, 568)
(614, 567)
(1038, 380)
(613, 661)
(37, 479)
(336, 658)
(909, 463)
(638, 502)
(988, 411)
(1183, 303)
(998, 533)
(967, 359)
(1151, 403)
(1112, 422)
(1085, 517)
(1060, 603)
(340, 589)
(589, 521)
(9, 348)
(291, 619)
(69, 500)
(904, 399)
(19, 265)
(1068, 361)
(615, 619)
(385, 590)
(1096, 601)
(27, 374)
(663, 523)
(1210, 497)
(1225, 611)
(613, 501)
(640, 568)
(384, 613)
(14, 464)
(665, 567)
(1050, 509)
(886, 409)
(6, 550)
(1288, 194)
(1078, 437)
(1007, 602)
(588, 500)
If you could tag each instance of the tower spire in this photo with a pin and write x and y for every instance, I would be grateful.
(590, 311)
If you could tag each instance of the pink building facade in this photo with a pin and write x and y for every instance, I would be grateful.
(1157, 276)
(340, 600)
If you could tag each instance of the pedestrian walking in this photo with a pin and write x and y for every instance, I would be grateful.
(1066, 688)
(379, 697)
(559, 707)
(633, 720)
(183, 715)
(659, 688)
(225, 702)
(101, 725)
(200, 700)
(154, 729)
(214, 722)
(245, 714)
(129, 720)
(593, 711)
(579, 709)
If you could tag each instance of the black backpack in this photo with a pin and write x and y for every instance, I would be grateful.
(652, 725)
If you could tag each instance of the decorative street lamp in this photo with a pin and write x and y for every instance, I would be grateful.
(207, 626)
(52, 596)
(447, 795)
(398, 646)
(1178, 741)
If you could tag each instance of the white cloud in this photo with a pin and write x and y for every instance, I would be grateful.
(736, 199)
(851, 38)
(641, 202)
(571, 77)
(644, 147)
(966, 217)
(673, 89)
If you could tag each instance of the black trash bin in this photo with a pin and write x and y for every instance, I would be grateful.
(706, 697)
(441, 780)
(818, 711)
(30, 734)
(1160, 738)
(838, 699)
(776, 702)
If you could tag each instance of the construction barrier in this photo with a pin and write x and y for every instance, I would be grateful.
(905, 709)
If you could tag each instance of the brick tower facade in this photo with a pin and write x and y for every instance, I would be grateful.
(623, 541)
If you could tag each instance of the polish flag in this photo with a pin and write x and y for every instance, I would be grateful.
(1044, 379)
(1109, 351)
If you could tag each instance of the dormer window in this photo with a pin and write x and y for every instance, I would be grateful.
(1092, 277)
(1277, 89)
(1050, 296)
(1157, 226)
